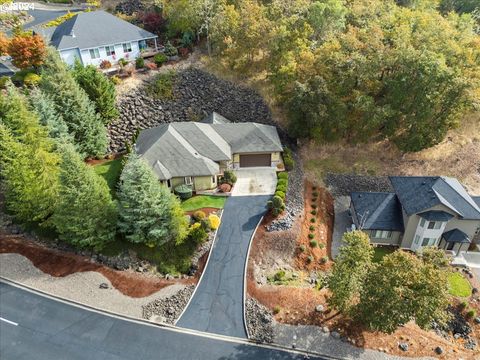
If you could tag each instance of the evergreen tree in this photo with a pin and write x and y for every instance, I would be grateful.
(99, 89)
(78, 112)
(28, 163)
(46, 110)
(148, 213)
(86, 214)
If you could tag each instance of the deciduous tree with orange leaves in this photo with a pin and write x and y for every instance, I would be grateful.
(27, 50)
(3, 44)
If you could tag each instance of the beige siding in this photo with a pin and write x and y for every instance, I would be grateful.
(275, 156)
(410, 224)
(393, 240)
(204, 183)
(177, 181)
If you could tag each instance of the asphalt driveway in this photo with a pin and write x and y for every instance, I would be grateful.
(217, 305)
(343, 222)
(255, 181)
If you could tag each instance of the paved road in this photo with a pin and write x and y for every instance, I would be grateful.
(48, 329)
(217, 305)
(5, 71)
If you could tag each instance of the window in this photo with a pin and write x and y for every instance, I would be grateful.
(213, 179)
(110, 50)
(425, 241)
(127, 47)
(431, 224)
(188, 180)
(438, 225)
(417, 239)
(169, 183)
(422, 222)
(381, 234)
(94, 53)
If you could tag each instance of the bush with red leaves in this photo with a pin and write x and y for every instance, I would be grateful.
(225, 188)
(153, 22)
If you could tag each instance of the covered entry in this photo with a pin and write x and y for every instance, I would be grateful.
(255, 160)
(455, 240)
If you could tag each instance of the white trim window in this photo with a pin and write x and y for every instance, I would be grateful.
(381, 234)
(188, 180)
(110, 50)
(127, 47)
(94, 53)
(428, 241)
(417, 239)
(434, 225)
(422, 222)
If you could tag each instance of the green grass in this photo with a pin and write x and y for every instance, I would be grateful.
(380, 252)
(110, 171)
(203, 201)
(458, 285)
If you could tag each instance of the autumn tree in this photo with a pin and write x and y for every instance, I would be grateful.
(27, 50)
(4, 41)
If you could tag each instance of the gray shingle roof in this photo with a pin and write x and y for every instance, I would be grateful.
(456, 235)
(436, 215)
(94, 29)
(215, 118)
(193, 149)
(476, 199)
(419, 193)
(377, 211)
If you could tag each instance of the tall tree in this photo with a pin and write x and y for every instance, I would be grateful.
(86, 214)
(100, 90)
(350, 270)
(27, 50)
(148, 213)
(78, 112)
(29, 165)
(4, 41)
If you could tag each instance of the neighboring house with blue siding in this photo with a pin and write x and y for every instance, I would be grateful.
(422, 211)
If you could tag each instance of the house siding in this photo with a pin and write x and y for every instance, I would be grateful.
(394, 240)
(119, 54)
(69, 56)
(204, 183)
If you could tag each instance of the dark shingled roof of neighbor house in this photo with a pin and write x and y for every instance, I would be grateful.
(456, 235)
(96, 28)
(436, 215)
(377, 211)
(419, 193)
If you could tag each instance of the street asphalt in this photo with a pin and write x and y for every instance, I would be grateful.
(217, 305)
(33, 326)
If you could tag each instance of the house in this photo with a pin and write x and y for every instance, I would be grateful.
(422, 211)
(95, 36)
(196, 153)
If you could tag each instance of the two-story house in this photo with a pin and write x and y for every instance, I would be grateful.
(422, 211)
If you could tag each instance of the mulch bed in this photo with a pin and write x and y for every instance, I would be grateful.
(59, 264)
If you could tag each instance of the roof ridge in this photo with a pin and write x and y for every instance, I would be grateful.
(474, 205)
(199, 126)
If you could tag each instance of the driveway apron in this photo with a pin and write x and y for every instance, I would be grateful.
(217, 305)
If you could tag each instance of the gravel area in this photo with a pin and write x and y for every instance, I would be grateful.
(90, 287)
(168, 309)
(344, 184)
(259, 321)
(313, 338)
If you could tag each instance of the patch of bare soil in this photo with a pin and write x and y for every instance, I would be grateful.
(59, 264)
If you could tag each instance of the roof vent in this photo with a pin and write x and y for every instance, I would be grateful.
(72, 34)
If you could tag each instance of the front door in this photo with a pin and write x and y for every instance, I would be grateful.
(450, 245)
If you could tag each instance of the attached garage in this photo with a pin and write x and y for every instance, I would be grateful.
(255, 160)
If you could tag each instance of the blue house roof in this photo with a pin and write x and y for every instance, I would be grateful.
(436, 215)
(420, 193)
(377, 211)
(456, 235)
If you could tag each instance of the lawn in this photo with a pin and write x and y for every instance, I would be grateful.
(110, 171)
(380, 252)
(458, 285)
(203, 201)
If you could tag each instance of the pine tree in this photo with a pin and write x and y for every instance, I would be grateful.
(46, 110)
(28, 163)
(99, 89)
(148, 213)
(86, 214)
(78, 112)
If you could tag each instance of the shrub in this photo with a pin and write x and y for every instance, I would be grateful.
(183, 191)
(321, 245)
(183, 52)
(282, 188)
(312, 220)
(313, 212)
(151, 66)
(199, 215)
(206, 224)
(197, 234)
(115, 80)
(302, 248)
(276, 309)
(280, 194)
(160, 59)
(311, 236)
(463, 305)
(309, 259)
(282, 182)
(324, 260)
(187, 39)
(214, 221)
(279, 275)
(31, 79)
(314, 199)
(122, 62)
(140, 62)
(276, 205)
(288, 159)
(170, 50)
(314, 206)
(471, 314)
(315, 194)
(282, 175)
(313, 243)
(225, 188)
(162, 86)
(311, 228)
(314, 188)
(105, 64)
(229, 177)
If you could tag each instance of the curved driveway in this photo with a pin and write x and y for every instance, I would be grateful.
(217, 305)
(35, 327)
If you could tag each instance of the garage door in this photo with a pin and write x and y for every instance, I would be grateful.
(255, 160)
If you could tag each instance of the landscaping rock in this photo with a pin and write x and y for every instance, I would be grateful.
(403, 346)
(319, 308)
(344, 184)
(129, 7)
(169, 308)
(335, 334)
(439, 350)
(259, 321)
(470, 344)
(325, 329)
(477, 320)
(103, 286)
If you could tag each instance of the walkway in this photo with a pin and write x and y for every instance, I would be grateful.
(36, 327)
(217, 304)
